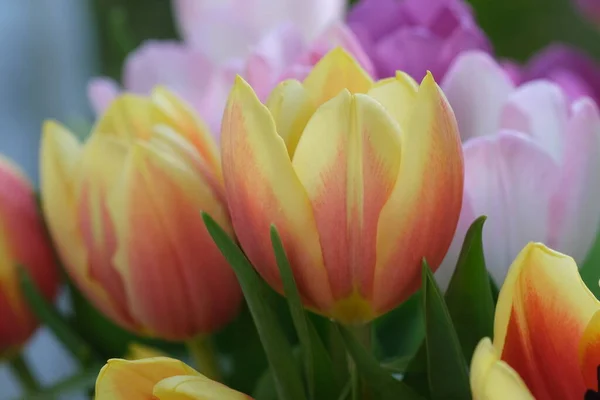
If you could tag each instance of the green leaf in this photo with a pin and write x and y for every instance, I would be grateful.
(47, 314)
(317, 364)
(447, 368)
(469, 295)
(375, 376)
(278, 350)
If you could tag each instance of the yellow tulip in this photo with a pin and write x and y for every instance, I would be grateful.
(124, 212)
(362, 179)
(159, 378)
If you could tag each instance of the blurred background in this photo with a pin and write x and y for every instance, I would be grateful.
(51, 48)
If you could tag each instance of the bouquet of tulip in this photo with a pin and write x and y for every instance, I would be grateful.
(260, 215)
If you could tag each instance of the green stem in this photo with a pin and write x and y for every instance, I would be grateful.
(24, 375)
(363, 336)
(204, 356)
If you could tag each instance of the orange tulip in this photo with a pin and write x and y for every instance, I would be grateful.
(159, 378)
(546, 333)
(23, 242)
(124, 212)
(362, 179)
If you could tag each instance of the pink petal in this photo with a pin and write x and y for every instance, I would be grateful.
(101, 92)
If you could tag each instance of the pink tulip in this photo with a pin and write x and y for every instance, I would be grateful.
(532, 163)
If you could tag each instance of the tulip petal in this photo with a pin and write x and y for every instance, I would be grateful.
(420, 217)
(511, 179)
(128, 117)
(263, 189)
(397, 95)
(336, 71)
(159, 230)
(348, 160)
(60, 161)
(575, 214)
(542, 312)
(477, 89)
(291, 107)
(195, 388)
(134, 380)
(492, 378)
(101, 92)
(589, 353)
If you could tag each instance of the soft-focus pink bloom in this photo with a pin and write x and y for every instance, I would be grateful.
(190, 73)
(532, 163)
(23, 241)
(590, 9)
(573, 70)
(227, 29)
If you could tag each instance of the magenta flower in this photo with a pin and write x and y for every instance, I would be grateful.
(415, 35)
(532, 163)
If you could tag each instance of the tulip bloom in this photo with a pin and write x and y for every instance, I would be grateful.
(160, 378)
(23, 242)
(415, 35)
(546, 333)
(124, 212)
(362, 180)
(532, 163)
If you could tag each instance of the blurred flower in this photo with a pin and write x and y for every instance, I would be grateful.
(590, 9)
(124, 212)
(531, 163)
(205, 85)
(546, 333)
(23, 242)
(573, 70)
(158, 378)
(415, 35)
(361, 179)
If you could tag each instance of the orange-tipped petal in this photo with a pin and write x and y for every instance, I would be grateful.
(348, 160)
(492, 378)
(589, 353)
(135, 380)
(421, 214)
(541, 315)
(177, 282)
(291, 107)
(195, 388)
(263, 189)
(337, 70)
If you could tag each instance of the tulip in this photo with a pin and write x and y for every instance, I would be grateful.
(160, 378)
(546, 333)
(415, 35)
(23, 242)
(362, 179)
(190, 73)
(573, 70)
(531, 164)
(124, 212)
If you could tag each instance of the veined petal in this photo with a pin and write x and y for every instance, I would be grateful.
(542, 312)
(397, 95)
(492, 378)
(195, 388)
(60, 162)
(291, 107)
(420, 217)
(348, 160)
(263, 189)
(176, 280)
(128, 117)
(337, 70)
(134, 380)
(589, 353)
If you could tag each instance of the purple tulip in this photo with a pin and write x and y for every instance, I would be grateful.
(415, 35)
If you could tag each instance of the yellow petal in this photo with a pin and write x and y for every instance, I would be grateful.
(195, 388)
(337, 70)
(291, 107)
(128, 117)
(263, 189)
(493, 379)
(348, 160)
(542, 312)
(398, 96)
(422, 212)
(138, 351)
(135, 380)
